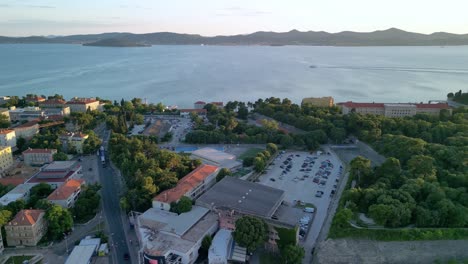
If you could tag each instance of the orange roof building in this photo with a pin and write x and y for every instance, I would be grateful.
(26, 228)
(66, 194)
(192, 185)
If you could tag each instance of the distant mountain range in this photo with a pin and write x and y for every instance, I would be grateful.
(389, 37)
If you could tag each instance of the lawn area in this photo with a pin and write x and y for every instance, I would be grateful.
(18, 259)
(250, 153)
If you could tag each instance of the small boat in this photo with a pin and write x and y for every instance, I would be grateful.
(312, 66)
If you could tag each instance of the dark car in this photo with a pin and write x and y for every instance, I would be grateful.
(126, 256)
(316, 180)
(271, 179)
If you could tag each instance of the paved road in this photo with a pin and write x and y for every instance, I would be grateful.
(111, 206)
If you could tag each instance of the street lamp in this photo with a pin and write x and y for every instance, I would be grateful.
(66, 241)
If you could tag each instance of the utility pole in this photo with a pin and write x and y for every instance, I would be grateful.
(66, 241)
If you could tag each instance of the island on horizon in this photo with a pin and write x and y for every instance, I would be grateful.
(114, 42)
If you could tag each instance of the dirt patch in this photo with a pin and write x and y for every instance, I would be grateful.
(349, 251)
(158, 128)
(20, 170)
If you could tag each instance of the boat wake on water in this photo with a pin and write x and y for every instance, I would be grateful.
(403, 69)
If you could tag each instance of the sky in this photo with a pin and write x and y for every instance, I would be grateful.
(226, 17)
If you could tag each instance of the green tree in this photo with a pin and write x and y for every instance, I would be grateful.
(39, 191)
(184, 205)
(4, 122)
(60, 156)
(206, 243)
(272, 148)
(5, 217)
(59, 220)
(292, 254)
(222, 173)
(259, 164)
(250, 232)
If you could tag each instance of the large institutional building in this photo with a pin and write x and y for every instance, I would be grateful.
(319, 101)
(393, 110)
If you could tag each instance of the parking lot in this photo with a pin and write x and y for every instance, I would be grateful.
(307, 179)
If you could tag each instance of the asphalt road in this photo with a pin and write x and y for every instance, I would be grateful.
(111, 205)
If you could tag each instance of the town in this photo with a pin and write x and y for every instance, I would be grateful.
(91, 180)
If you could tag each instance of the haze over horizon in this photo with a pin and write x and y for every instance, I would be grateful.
(210, 17)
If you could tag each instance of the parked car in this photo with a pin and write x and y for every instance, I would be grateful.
(271, 179)
(126, 256)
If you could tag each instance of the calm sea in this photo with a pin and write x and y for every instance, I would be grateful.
(180, 75)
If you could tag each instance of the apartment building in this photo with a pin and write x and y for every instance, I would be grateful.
(192, 185)
(73, 140)
(27, 130)
(66, 195)
(38, 157)
(7, 138)
(6, 159)
(327, 101)
(393, 110)
(83, 104)
(27, 228)
(25, 114)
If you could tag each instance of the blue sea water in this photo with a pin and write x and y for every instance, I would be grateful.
(180, 75)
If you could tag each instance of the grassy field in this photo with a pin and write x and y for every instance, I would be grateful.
(252, 152)
(18, 259)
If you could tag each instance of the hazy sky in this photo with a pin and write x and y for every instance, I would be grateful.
(224, 17)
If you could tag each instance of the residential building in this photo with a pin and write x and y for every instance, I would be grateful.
(26, 114)
(319, 101)
(192, 185)
(5, 112)
(216, 157)
(34, 99)
(199, 105)
(170, 238)
(57, 173)
(7, 138)
(6, 159)
(27, 228)
(38, 157)
(393, 110)
(186, 112)
(224, 249)
(62, 111)
(83, 104)
(67, 193)
(73, 140)
(20, 192)
(245, 197)
(27, 130)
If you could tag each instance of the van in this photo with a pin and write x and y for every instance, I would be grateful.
(309, 209)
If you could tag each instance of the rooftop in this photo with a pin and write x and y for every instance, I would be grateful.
(160, 230)
(353, 104)
(186, 184)
(74, 135)
(65, 190)
(219, 158)
(39, 151)
(220, 245)
(6, 131)
(11, 181)
(82, 101)
(433, 106)
(53, 101)
(243, 196)
(26, 217)
(16, 193)
(80, 254)
(28, 124)
(59, 166)
(200, 102)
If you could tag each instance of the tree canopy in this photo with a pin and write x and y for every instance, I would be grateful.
(250, 232)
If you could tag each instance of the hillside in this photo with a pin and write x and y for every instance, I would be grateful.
(389, 37)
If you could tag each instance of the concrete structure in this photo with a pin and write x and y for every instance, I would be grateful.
(83, 104)
(218, 158)
(90, 241)
(8, 138)
(20, 192)
(186, 112)
(66, 194)
(192, 185)
(38, 157)
(174, 238)
(6, 159)
(199, 105)
(27, 228)
(224, 250)
(393, 110)
(81, 255)
(26, 114)
(73, 140)
(319, 101)
(57, 173)
(243, 196)
(27, 130)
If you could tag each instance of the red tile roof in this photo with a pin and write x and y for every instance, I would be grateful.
(200, 102)
(29, 124)
(361, 105)
(5, 131)
(53, 101)
(66, 190)
(11, 181)
(186, 184)
(82, 101)
(35, 151)
(26, 217)
(433, 106)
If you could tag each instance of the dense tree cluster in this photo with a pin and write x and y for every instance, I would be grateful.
(182, 206)
(250, 232)
(459, 97)
(87, 204)
(147, 169)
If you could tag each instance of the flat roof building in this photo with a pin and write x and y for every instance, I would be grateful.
(66, 194)
(81, 255)
(57, 173)
(166, 235)
(224, 250)
(243, 196)
(20, 192)
(217, 158)
(393, 109)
